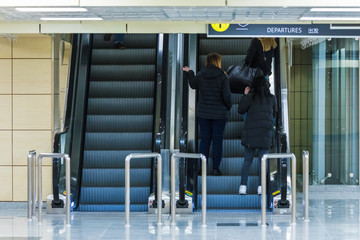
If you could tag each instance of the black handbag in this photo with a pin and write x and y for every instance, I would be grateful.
(241, 76)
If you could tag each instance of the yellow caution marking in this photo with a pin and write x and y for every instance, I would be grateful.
(220, 27)
(276, 193)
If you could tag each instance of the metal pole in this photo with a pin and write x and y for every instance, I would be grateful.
(159, 188)
(263, 184)
(203, 190)
(29, 185)
(293, 189)
(127, 183)
(39, 187)
(127, 190)
(33, 192)
(203, 180)
(306, 184)
(172, 176)
(263, 190)
(68, 193)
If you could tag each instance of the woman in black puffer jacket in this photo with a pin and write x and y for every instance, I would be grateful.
(213, 107)
(258, 131)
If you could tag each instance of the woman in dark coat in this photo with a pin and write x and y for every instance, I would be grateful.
(213, 107)
(258, 131)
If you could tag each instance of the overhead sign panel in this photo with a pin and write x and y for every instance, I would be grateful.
(281, 30)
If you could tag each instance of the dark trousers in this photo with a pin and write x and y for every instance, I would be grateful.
(249, 156)
(212, 130)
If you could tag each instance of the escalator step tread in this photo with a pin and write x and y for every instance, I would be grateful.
(114, 159)
(130, 41)
(112, 207)
(234, 201)
(231, 166)
(224, 46)
(118, 141)
(123, 72)
(113, 195)
(228, 184)
(125, 56)
(133, 89)
(94, 177)
(119, 123)
(119, 106)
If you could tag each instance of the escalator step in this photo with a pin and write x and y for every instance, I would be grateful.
(112, 207)
(114, 159)
(233, 130)
(119, 123)
(93, 177)
(118, 141)
(117, 106)
(113, 195)
(130, 40)
(126, 56)
(228, 184)
(224, 46)
(231, 166)
(122, 73)
(231, 201)
(133, 89)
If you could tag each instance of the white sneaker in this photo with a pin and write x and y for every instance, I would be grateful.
(242, 189)
(259, 190)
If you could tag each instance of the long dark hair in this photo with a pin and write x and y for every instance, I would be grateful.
(261, 89)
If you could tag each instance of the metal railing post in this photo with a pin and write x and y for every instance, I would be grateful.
(263, 184)
(30, 163)
(203, 182)
(33, 193)
(67, 176)
(127, 183)
(306, 184)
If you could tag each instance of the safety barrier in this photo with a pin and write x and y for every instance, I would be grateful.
(67, 179)
(127, 183)
(263, 184)
(306, 185)
(203, 182)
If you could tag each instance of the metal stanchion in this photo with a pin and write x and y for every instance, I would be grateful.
(67, 176)
(127, 183)
(263, 184)
(306, 185)
(31, 179)
(203, 182)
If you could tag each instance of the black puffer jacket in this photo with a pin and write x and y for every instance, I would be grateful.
(214, 92)
(258, 131)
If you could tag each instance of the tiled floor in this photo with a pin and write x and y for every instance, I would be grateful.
(330, 218)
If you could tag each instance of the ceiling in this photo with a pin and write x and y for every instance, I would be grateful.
(210, 14)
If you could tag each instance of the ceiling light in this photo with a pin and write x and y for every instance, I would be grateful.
(71, 18)
(330, 18)
(335, 10)
(51, 9)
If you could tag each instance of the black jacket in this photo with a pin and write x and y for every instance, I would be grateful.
(258, 131)
(214, 92)
(257, 58)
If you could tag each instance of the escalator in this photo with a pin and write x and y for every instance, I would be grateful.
(223, 191)
(119, 117)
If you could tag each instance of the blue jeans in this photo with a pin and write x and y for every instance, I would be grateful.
(212, 130)
(249, 156)
(119, 38)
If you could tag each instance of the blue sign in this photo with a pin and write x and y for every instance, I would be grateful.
(282, 30)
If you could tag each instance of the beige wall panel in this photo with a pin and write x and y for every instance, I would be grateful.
(32, 112)
(6, 184)
(19, 27)
(167, 27)
(20, 183)
(5, 109)
(5, 73)
(152, 3)
(24, 141)
(27, 3)
(28, 47)
(84, 27)
(32, 76)
(6, 148)
(5, 47)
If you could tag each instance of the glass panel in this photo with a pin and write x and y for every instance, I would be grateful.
(336, 111)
